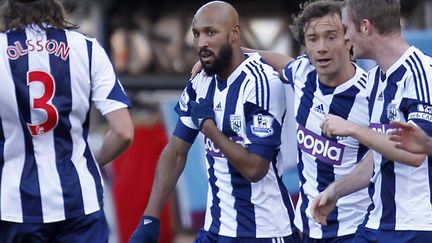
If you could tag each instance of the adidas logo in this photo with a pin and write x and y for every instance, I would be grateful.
(380, 96)
(218, 107)
(147, 221)
(320, 109)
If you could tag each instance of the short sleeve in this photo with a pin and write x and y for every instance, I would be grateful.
(107, 92)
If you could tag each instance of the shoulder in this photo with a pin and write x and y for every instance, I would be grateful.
(77, 33)
(200, 80)
(422, 61)
(78, 37)
(263, 84)
(262, 73)
(301, 61)
(298, 70)
(414, 62)
(361, 77)
(255, 66)
(299, 66)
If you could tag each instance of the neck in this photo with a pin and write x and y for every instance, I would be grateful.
(236, 59)
(387, 50)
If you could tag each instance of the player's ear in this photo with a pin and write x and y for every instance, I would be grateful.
(235, 33)
(348, 44)
(366, 27)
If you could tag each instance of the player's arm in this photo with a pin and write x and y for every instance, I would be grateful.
(249, 165)
(118, 138)
(253, 167)
(277, 60)
(111, 100)
(336, 126)
(358, 179)
(169, 167)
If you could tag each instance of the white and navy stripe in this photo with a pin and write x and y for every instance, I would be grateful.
(396, 187)
(421, 81)
(237, 207)
(317, 169)
(256, 69)
(205, 236)
(56, 178)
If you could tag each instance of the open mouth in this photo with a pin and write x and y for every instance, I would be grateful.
(206, 55)
(323, 61)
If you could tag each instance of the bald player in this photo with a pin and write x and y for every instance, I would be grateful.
(229, 103)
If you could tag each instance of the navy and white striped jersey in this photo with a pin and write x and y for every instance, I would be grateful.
(322, 160)
(248, 108)
(401, 194)
(48, 80)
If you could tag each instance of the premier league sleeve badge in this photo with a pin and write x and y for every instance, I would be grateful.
(262, 125)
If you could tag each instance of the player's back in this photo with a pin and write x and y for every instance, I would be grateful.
(47, 80)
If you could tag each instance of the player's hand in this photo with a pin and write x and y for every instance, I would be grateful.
(201, 111)
(333, 125)
(409, 137)
(147, 231)
(196, 69)
(323, 204)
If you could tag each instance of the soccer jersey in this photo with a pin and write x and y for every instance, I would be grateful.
(248, 109)
(48, 80)
(401, 194)
(322, 160)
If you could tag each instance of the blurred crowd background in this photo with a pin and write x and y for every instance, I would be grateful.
(151, 46)
(154, 38)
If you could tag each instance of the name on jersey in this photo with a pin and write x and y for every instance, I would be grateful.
(424, 112)
(59, 49)
(325, 150)
(214, 151)
(420, 116)
(381, 128)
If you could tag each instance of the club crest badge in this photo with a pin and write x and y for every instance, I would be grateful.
(393, 112)
(235, 122)
(262, 125)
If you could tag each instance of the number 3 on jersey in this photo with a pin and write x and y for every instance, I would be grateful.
(43, 102)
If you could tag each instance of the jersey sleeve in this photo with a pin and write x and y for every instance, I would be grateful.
(185, 128)
(263, 115)
(295, 67)
(288, 73)
(421, 114)
(416, 101)
(107, 92)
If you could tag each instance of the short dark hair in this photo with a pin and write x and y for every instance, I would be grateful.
(311, 11)
(20, 13)
(383, 14)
